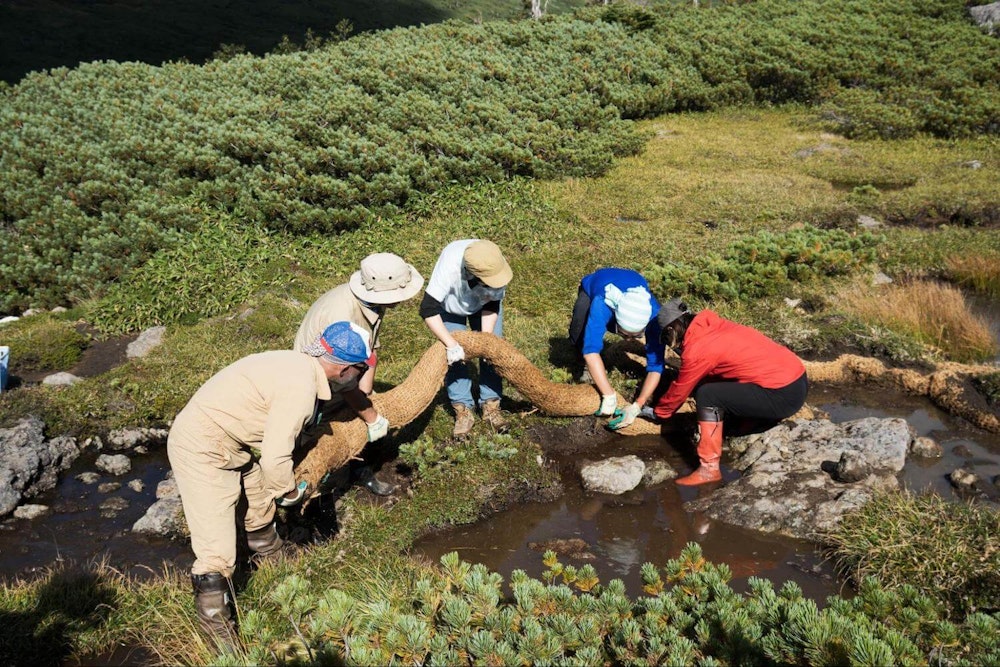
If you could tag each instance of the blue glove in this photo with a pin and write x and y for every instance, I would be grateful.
(647, 413)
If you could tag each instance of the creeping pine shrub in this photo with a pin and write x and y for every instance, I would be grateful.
(104, 164)
(457, 614)
(765, 264)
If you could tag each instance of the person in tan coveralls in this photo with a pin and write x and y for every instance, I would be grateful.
(261, 402)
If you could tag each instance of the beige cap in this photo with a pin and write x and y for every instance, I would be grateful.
(485, 261)
(385, 278)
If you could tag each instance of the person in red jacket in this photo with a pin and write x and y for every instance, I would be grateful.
(732, 370)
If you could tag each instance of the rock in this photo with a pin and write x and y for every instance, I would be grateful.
(613, 476)
(164, 517)
(32, 311)
(61, 379)
(792, 303)
(30, 464)
(30, 511)
(58, 309)
(852, 467)
(962, 450)
(573, 547)
(88, 477)
(112, 506)
(147, 341)
(127, 438)
(109, 487)
(986, 17)
(868, 222)
(94, 442)
(926, 447)
(973, 164)
(113, 464)
(657, 471)
(881, 279)
(167, 488)
(9, 318)
(136, 485)
(963, 479)
(784, 489)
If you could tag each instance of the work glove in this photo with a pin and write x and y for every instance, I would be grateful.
(624, 416)
(378, 428)
(608, 405)
(300, 493)
(455, 353)
(647, 413)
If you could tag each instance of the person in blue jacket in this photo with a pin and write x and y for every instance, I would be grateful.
(617, 301)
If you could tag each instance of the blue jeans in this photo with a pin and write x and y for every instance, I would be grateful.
(457, 380)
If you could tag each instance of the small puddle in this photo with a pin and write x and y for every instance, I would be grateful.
(651, 525)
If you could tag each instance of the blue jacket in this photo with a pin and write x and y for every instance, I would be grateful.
(601, 318)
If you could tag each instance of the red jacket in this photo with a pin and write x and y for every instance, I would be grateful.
(718, 349)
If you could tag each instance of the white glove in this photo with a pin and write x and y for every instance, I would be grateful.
(378, 428)
(624, 416)
(300, 492)
(455, 353)
(608, 405)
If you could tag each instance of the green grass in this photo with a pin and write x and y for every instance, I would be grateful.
(945, 549)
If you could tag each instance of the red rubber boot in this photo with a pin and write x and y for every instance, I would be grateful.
(709, 452)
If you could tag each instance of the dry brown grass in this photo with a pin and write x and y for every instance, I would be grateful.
(978, 272)
(934, 313)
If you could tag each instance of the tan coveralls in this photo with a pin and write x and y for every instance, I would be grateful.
(261, 401)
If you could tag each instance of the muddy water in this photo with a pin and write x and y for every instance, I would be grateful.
(651, 525)
(78, 530)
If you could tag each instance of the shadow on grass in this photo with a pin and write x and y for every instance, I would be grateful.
(64, 604)
(53, 33)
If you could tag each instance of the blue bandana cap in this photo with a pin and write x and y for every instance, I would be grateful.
(342, 343)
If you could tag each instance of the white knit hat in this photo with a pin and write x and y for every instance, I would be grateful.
(633, 307)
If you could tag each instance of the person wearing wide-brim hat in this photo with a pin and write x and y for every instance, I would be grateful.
(733, 371)
(382, 281)
(466, 291)
(235, 439)
(618, 301)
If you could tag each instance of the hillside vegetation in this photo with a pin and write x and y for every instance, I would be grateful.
(107, 163)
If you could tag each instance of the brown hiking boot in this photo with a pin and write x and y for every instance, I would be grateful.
(464, 420)
(493, 416)
(213, 597)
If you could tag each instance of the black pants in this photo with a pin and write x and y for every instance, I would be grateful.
(742, 399)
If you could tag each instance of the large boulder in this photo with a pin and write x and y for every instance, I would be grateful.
(799, 478)
(614, 476)
(30, 464)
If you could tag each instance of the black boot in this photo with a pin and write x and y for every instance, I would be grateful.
(213, 598)
(264, 542)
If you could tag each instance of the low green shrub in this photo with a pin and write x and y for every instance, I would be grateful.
(104, 164)
(458, 615)
(765, 264)
(425, 454)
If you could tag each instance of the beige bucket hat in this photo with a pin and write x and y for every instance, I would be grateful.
(484, 260)
(385, 278)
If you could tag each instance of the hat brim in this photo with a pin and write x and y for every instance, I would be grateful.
(498, 280)
(390, 295)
